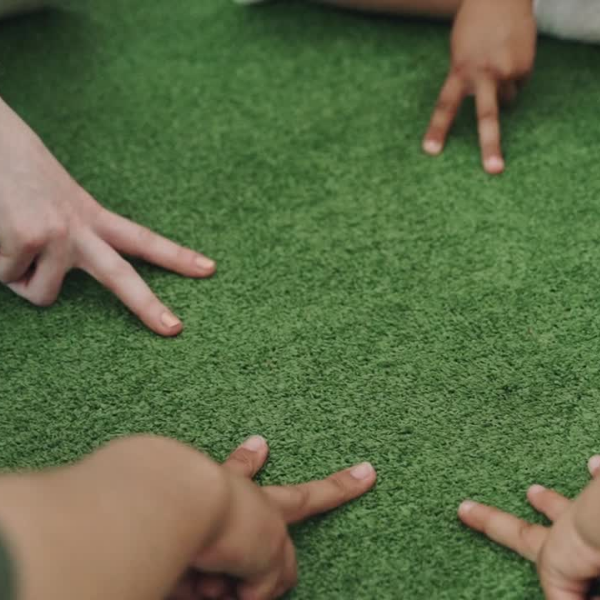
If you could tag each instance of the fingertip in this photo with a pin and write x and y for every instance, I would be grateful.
(205, 266)
(594, 465)
(255, 443)
(535, 489)
(494, 165)
(432, 147)
(172, 332)
(466, 508)
(363, 472)
(170, 324)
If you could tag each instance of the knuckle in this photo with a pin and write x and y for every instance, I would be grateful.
(58, 231)
(461, 69)
(120, 269)
(524, 534)
(340, 485)
(488, 115)
(30, 241)
(94, 210)
(502, 70)
(244, 459)
(493, 71)
(302, 499)
(145, 236)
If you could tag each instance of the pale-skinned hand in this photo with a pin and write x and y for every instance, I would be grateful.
(50, 225)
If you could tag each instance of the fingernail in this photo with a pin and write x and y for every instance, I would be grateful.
(432, 147)
(362, 471)
(494, 164)
(466, 507)
(205, 264)
(594, 463)
(169, 320)
(536, 489)
(255, 443)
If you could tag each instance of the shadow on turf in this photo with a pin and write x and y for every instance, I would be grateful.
(32, 41)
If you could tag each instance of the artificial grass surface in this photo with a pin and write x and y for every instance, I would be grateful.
(371, 303)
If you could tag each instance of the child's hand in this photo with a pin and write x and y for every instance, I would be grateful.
(493, 51)
(50, 225)
(254, 545)
(566, 561)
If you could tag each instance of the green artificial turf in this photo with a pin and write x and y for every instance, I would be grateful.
(370, 304)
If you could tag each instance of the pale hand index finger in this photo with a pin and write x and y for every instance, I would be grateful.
(488, 124)
(300, 502)
(505, 529)
(449, 101)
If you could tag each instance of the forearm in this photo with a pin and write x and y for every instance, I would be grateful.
(123, 524)
(423, 8)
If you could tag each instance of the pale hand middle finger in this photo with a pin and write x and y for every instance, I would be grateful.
(111, 270)
(136, 240)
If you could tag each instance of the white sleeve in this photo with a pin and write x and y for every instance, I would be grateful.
(577, 20)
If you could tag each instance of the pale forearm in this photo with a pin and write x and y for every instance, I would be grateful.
(123, 524)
